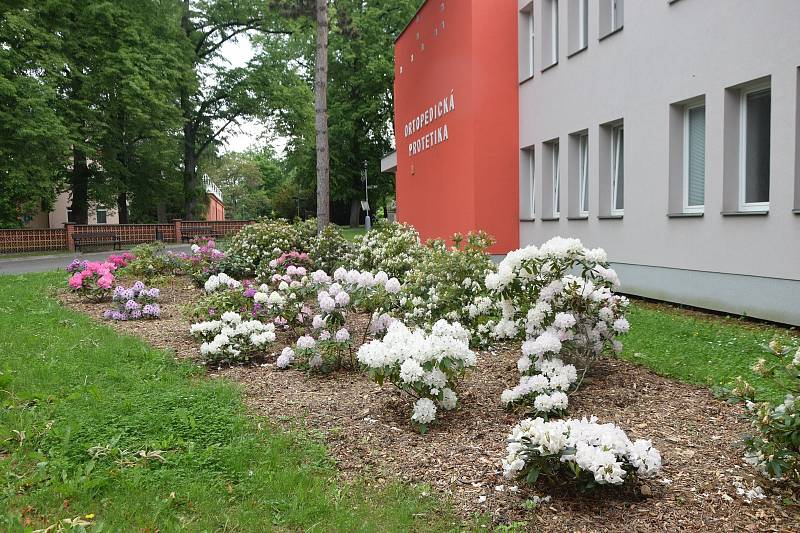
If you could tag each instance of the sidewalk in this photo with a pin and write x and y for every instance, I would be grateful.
(46, 263)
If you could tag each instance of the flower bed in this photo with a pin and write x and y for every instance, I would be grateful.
(552, 309)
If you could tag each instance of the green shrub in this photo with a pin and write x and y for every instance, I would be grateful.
(212, 306)
(448, 283)
(306, 233)
(152, 262)
(330, 250)
(774, 448)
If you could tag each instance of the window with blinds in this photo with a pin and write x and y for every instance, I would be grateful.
(694, 158)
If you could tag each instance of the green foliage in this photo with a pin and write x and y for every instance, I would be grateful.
(94, 423)
(774, 448)
(94, 79)
(33, 138)
(360, 103)
(450, 280)
(243, 183)
(392, 247)
(212, 306)
(151, 263)
(330, 250)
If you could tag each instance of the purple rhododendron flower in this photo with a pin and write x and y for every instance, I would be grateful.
(151, 310)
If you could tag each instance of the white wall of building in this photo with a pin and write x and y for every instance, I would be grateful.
(58, 216)
(667, 53)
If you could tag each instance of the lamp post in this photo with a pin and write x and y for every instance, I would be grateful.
(297, 199)
(367, 221)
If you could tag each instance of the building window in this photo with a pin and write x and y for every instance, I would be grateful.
(583, 174)
(612, 14)
(550, 52)
(526, 43)
(102, 215)
(754, 148)
(694, 158)
(578, 25)
(527, 184)
(556, 170)
(617, 170)
(583, 23)
(70, 215)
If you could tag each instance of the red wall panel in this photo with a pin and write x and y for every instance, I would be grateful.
(461, 52)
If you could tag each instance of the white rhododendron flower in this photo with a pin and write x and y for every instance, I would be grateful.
(285, 359)
(232, 338)
(602, 453)
(425, 364)
(306, 342)
(424, 411)
(392, 286)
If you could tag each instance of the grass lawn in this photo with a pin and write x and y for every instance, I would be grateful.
(101, 426)
(351, 233)
(701, 348)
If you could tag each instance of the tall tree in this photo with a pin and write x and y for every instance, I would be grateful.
(321, 116)
(217, 96)
(33, 138)
(359, 97)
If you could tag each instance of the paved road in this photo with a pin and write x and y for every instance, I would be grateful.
(46, 263)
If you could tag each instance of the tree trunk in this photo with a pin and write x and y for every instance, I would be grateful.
(161, 211)
(79, 182)
(355, 212)
(190, 156)
(321, 113)
(122, 207)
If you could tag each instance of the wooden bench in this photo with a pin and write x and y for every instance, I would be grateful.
(96, 237)
(187, 234)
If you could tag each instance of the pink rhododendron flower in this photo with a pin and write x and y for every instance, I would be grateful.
(76, 281)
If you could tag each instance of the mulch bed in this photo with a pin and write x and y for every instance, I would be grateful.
(367, 431)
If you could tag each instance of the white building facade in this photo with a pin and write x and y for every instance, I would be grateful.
(667, 133)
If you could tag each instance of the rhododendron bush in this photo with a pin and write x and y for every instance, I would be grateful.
(134, 303)
(427, 366)
(204, 260)
(329, 344)
(288, 266)
(774, 446)
(447, 282)
(331, 250)
(92, 280)
(560, 299)
(255, 245)
(582, 452)
(281, 303)
(232, 338)
(151, 262)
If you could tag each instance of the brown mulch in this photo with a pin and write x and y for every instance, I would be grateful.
(367, 432)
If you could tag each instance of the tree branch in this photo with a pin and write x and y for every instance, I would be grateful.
(216, 134)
